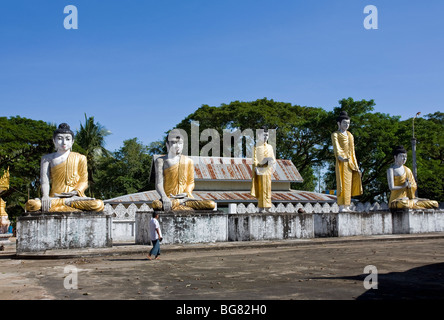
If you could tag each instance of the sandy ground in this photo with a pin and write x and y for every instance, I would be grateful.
(411, 268)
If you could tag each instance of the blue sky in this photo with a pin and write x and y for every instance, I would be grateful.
(141, 66)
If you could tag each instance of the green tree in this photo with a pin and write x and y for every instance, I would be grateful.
(22, 143)
(298, 131)
(90, 141)
(304, 136)
(429, 154)
(125, 172)
(375, 134)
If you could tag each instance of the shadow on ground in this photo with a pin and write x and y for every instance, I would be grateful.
(426, 282)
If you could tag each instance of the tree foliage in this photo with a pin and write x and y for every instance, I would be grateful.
(90, 141)
(22, 143)
(303, 135)
(375, 135)
(297, 134)
(125, 172)
(429, 154)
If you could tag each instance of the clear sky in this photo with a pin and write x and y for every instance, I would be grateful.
(141, 66)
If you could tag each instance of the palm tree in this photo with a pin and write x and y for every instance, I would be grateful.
(91, 139)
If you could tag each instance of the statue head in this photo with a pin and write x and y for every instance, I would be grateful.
(174, 142)
(343, 121)
(63, 138)
(263, 134)
(400, 155)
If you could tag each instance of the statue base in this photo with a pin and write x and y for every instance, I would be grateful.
(344, 224)
(184, 226)
(270, 226)
(41, 231)
(418, 220)
(214, 226)
(4, 238)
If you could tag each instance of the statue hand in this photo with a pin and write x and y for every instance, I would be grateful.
(46, 203)
(167, 204)
(183, 200)
(66, 194)
(178, 196)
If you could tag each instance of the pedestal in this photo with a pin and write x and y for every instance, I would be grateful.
(344, 224)
(184, 227)
(270, 226)
(418, 221)
(68, 230)
(4, 237)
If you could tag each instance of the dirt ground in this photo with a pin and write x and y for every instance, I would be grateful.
(397, 269)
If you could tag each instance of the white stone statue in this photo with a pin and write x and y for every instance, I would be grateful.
(4, 220)
(403, 186)
(64, 178)
(264, 163)
(348, 175)
(174, 174)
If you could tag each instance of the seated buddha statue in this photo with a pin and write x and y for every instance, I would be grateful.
(64, 178)
(403, 186)
(174, 174)
(4, 186)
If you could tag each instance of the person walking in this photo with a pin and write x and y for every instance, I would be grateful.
(156, 236)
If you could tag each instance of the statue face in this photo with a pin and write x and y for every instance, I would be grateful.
(63, 142)
(400, 159)
(175, 146)
(263, 136)
(344, 125)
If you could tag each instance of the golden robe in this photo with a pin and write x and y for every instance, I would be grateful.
(348, 177)
(68, 176)
(261, 183)
(179, 178)
(405, 198)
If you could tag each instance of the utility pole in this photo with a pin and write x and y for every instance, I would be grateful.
(415, 174)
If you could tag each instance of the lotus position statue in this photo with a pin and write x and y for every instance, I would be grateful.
(403, 186)
(175, 179)
(68, 174)
(263, 167)
(348, 175)
(4, 186)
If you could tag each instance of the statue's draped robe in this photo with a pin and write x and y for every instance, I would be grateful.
(261, 183)
(179, 178)
(348, 178)
(68, 176)
(405, 198)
